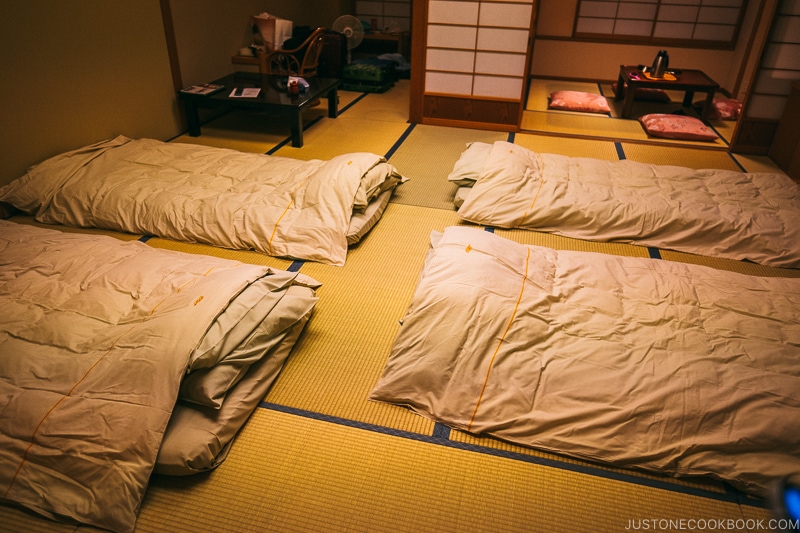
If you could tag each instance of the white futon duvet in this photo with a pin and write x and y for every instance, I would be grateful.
(98, 340)
(717, 213)
(285, 207)
(647, 364)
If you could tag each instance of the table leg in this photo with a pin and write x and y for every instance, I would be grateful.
(296, 124)
(333, 103)
(192, 117)
(687, 99)
(708, 103)
(630, 93)
(619, 91)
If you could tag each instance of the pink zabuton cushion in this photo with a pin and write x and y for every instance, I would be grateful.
(722, 108)
(677, 127)
(578, 101)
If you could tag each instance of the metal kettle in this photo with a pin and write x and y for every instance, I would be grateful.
(660, 64)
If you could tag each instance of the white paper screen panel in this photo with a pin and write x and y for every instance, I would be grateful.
(448, 83)
(452, 36)
(500, 64)
(450, 60)
(505, 15)
(453, 12)
(683, 20)
(501, 40)
(496, 87)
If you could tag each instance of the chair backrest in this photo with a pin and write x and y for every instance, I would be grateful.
(313, 52)
(301, 61)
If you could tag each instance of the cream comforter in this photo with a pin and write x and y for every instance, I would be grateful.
(280, 206)
(716, 213)
(99, 338)
(646, 364)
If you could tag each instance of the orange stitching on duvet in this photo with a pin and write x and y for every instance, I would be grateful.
(500, 342)
(190, 282)
(55, 405)
(277, 222)
(53, 408)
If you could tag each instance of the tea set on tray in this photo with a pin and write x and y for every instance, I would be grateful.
(659, 69)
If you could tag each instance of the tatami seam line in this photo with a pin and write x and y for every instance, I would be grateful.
(438, 437)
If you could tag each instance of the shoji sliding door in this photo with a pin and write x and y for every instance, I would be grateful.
(471, 62)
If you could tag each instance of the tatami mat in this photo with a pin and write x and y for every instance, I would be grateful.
(741, 267)
(756, 163)
(295, 474)
(685, 157)
(710, 488)
(427, 156)
(559, 242)
(331, 137)
(569, 146)
(348, 340)
(373, 124)
(582, 124)
(389, 106)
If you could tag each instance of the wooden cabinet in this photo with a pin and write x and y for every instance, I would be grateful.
(785, 149)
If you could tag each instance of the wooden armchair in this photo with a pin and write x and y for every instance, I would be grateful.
(302, 61)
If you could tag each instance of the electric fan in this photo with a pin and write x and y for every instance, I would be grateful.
(351, 28)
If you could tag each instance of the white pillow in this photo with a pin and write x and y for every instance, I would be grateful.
(470, 164)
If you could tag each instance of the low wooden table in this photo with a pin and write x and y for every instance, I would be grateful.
(273, 97)
(687, 80)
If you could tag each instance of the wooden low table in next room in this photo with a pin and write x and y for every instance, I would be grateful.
(687, 80)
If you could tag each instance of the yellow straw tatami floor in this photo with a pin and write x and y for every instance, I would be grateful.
(318, 456)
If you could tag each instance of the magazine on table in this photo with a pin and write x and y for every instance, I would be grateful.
(203, 89)
(245, 92)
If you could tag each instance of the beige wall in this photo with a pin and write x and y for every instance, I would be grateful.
(554, 57)
(78, 72)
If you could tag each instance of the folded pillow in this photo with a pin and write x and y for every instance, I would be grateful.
(255, 322)
(722, 108)
(469, 165)
(376, 180)
(647, 94)
(677, 127)
(578, 101)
